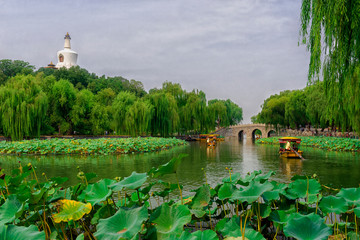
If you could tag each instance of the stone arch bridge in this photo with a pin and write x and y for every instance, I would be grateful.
(246, 130)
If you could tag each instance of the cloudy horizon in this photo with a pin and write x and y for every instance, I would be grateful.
(244, 50)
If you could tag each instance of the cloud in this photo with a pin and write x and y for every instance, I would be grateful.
(244, 50)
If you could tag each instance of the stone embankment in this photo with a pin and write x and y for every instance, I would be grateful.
(317, 132)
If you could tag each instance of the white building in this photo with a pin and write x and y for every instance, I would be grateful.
(66, 57)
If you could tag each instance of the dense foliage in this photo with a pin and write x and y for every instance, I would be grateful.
(88, 146)
(297, 108)
(330, 29)
(139, 207)
(327, 143)
(68, 101)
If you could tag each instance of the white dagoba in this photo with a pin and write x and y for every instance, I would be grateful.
(67, 57)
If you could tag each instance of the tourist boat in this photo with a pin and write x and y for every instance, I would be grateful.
(289, 147)
(204, 137)
(211, 140)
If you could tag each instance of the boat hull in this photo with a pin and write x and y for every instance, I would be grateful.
(290, 154)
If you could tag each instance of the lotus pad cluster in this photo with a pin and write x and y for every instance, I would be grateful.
(142, 206)
(89, 146)
(326, 143)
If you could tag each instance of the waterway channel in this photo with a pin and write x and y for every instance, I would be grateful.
(337, 169)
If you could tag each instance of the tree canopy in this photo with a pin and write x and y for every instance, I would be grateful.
(68, 101)
(330, 30)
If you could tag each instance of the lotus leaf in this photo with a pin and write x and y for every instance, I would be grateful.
(226, 191)
(11, 210)
(281, 216)
(71, 210)
(201, 198)
(351, 195)
(307, 227)
(231, 227)
(234, 178)
(332, 204)
(134, 181)
(171, 220)
(199, 235)
(274, 194)
(353, 236)
(304, 188)
(97, 192)
(168, 168)
(252, 192)
(123, 225)
(12, 232)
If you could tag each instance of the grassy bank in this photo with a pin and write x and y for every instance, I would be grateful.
(139, 206)
(89, 146)
(327, 143)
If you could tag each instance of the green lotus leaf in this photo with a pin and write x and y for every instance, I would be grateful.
(11, 210)
(226, 191)
(123, 225)
(61, 194)
(97, 192)
(307, 227)
(274, 194)
(235, 238)
(234, 178)
(199, 213)
(231, 227)
(302, 188)
(253, 235)
(71, 210)
(351, 195)
(353, 236)
(134, 181)
(168, 168)
(199, 235)
(281, 216)
(201, 198)
(262, 178)
(12, 232)
(332, 204)
(357, 211)
(252, 192)
(171, 220)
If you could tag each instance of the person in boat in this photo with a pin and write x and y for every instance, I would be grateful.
(288, 145)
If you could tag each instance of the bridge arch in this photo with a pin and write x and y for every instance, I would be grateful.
(248, 130)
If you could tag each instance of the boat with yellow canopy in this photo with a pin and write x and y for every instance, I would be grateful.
(289, 147)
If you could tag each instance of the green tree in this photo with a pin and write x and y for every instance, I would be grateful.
(273, 109)
(23, 106)
(10, 68)
(81, 111)
(295, 109)
(62, 99)
(330, 29)
(165, 118)
(218, 113)
(138, 117)
(121, 105)
(316, 106)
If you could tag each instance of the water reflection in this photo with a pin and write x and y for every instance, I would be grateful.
(337, 169)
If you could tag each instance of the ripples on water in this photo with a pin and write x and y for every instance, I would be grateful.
(335, 169)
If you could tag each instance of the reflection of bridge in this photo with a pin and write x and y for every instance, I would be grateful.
(246, 129)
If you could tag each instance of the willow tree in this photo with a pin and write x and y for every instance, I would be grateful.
(23, 106)
(121, 105)
(138, 117)
(62, 100)
(81, 111)
(165, 119)
(330, 29)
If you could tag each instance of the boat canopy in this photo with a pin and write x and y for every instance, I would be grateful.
(289, 139)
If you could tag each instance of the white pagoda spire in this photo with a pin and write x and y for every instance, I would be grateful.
(66, 57)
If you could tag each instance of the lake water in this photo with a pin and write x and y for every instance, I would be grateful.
(337, 169)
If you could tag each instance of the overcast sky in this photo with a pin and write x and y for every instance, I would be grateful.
(244, 50)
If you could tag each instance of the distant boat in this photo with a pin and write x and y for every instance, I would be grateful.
(211, 140)
(289, 147)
